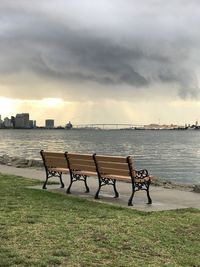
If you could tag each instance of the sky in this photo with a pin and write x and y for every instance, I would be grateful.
(108, 61)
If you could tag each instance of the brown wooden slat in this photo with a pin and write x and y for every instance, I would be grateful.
(79, 156)
(111, 159)
(110, 171)
(63, 170)
(56, 163)
(88, 173)
(83, 167)
(53, 154)
(119, 177)
(55, 159)
(82, 162)
(113, 165)
(61, 165)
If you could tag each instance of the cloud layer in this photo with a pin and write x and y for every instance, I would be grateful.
(100, 44)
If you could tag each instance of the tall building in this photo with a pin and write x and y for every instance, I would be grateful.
(13, 121)
(8, 123)
(22, 120)
(32, 124)
(49, 123)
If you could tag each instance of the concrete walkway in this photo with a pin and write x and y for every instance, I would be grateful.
(163, 199)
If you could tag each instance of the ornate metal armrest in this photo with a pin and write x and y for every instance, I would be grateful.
(141, 174)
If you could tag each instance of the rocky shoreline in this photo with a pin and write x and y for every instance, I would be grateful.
(19, 162)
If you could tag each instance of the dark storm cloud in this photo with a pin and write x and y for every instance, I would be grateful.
(58, 52)
(137, 53)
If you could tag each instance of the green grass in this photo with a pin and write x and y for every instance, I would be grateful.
(40, 228)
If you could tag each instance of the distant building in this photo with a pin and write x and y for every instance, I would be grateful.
(49, 123)
(7, 123)
(32, 124)
(22, 120)
(13, 121)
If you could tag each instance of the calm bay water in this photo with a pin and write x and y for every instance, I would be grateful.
(172, 155)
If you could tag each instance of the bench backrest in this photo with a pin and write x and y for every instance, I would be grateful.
(54, 159)
(81, 162)
(111, 165)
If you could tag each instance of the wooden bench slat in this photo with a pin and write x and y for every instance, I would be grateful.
(56, 159)
(79, 156)
(113, 165)
(110, 159)
(104, 171)
(82, 162)
(88, 173)
(53, 165)
(119, 177)
(83, 167)
(53, 154)
(63, 170)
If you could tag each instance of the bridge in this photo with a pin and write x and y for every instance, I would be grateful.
(106, 126)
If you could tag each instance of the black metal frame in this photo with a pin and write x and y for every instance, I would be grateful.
(106, 181)
(136, 185)
(76, 177)
(50, 174)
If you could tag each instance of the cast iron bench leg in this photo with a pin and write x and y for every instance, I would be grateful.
(130, 201)
(45, 183)
(115, 189)
(148, 195)
(86, 186)
(69, 187)
(61, 181)
(97, 193)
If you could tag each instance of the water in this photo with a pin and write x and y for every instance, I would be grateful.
(171, 155)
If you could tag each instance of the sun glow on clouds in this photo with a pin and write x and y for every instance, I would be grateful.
(52, 102)
(102, 111)
(39, 110)
(7, 106)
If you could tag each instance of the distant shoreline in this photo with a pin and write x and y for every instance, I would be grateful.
(95, 128)
(106, 129)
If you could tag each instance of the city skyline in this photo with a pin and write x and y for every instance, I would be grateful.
(25, 120)
(139, 64)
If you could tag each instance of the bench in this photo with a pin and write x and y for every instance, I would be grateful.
(111, 169)
(80, 167)
(55, 164)
(108, 169)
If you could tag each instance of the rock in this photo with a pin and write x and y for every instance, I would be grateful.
(4, 159)
(35, 163)
(196, 188)
(20, 162)
(168, 185)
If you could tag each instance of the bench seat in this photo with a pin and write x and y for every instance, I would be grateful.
(128, 179)
(87, 173)
(63, 170)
